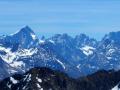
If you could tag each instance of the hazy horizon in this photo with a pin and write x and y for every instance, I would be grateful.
(49, 17)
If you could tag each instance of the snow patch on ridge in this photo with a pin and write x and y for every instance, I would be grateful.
(116, 87)
(61, 63)
(41, 41)
(87, 50)
(78, 66)
(10, 56)
(33, 36)
(52, 41)
(13, 80)
(15, 33)
(17, 64)
(39, 80)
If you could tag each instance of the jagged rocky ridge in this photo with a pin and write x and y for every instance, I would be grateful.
(47, 79)
(77, 56)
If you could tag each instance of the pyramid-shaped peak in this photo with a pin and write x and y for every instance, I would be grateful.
(26, 29)
(28, 32)
(25, 37)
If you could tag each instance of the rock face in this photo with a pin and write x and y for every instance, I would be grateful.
(77, 56)
(47, 79)
(25, 38)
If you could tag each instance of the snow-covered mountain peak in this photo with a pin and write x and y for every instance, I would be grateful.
(29, 31)
(25, 29)
(25, 37)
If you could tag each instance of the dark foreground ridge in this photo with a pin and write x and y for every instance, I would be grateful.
(47, 79)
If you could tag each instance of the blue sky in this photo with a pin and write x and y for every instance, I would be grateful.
(47, 17)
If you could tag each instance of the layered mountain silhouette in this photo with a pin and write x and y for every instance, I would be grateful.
(79, 56)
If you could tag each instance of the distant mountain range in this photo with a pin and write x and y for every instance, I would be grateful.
(79, 56)
(47, 79)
